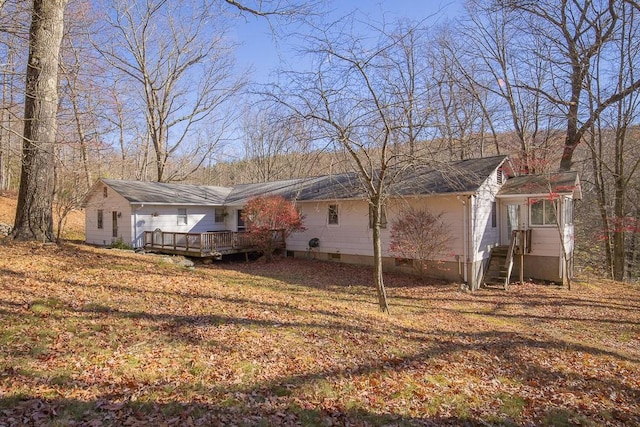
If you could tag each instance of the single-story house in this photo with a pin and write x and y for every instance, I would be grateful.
(484, 208)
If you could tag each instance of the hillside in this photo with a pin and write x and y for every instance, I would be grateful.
(73, 229)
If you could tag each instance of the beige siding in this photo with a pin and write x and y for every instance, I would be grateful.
(112, 203)
(353, 235)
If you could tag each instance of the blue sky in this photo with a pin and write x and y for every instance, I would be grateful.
(261, 52)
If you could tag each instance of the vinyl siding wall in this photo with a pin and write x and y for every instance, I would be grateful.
(136, 219)
(485, 235)
(112, 203)
(353, 236)
(200, 219)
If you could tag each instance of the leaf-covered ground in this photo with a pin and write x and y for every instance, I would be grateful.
(99, 337)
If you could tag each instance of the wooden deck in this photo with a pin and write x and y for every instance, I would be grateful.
(211, 244)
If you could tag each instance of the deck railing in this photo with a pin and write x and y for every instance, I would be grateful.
(202, 244)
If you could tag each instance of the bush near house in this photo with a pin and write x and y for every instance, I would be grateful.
(269, 221)
(421, 236)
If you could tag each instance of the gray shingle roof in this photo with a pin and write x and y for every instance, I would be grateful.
(464, 176)
(170, 194)
(559, 182)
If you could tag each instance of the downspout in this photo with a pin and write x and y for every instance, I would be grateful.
(470, 247)
(465, 238)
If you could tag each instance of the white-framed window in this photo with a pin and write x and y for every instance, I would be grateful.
(542, 212)
(219, 215)
(100, 219)
(182, 216)
(568, 210)
(333, 217)
(383, 217)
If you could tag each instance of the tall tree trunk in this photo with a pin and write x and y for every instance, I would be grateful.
(34, 216)
(619, 231)
(377, 257)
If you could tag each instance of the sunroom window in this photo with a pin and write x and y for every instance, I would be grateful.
(542, 212)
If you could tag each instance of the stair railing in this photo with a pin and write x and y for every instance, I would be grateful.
(508, 263)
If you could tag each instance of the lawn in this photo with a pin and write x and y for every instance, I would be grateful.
(98, 337)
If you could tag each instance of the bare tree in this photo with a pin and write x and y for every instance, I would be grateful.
(34, 217)
(468, 109)
(14, 29)
(574, 33)
(349, 103)
(276, 146)
(613, 141)
(181, 71)
(513, 68)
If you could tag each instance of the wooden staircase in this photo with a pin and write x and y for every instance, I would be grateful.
(500, 264)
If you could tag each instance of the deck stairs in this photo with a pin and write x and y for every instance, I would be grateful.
(498, 272)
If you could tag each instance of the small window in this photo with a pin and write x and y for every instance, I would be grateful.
(104, 192)
(335, 257)
(499, 177)
(383, 219)
(542, 212)
(182, 216)
(100, 219)
(114, 223)
(241, 225)
(333, 218)
(568, 211)
(219, 215)
(494, 215)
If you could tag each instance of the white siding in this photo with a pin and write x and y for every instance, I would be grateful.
(200, 219)
(136, 219)
(545, 240)
(485, 236)
(353, 235)
(112, 203)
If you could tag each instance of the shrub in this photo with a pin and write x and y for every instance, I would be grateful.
(419, 235)
(270, 220)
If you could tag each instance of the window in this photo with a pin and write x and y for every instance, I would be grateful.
(182, 216)
(499, 177)
(114, 222)
(383, 219)
(241, 225)
(568, 211)
(494, 215)
(333, 215)
(542, 212)
(100, 219)
(219, 215)
(104, 192)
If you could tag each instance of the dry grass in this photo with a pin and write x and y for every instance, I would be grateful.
(99, 337)
(73, 228)
(103, 337)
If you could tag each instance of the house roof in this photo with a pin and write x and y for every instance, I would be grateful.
(560, 182)
(464, 176)
(168, 194)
